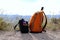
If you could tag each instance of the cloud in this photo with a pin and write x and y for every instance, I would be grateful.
(29, 7)
(29, 0)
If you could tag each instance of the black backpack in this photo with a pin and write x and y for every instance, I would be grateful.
(23, 25)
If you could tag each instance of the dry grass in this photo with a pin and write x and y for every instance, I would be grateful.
(54, 24)
(4, 25)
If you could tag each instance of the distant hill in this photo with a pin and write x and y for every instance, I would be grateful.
(53, 16)
(13, 18)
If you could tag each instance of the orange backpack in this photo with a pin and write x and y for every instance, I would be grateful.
(36, 22)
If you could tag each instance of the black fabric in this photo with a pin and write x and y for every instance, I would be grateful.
(23, 25)
(23, 28)
(35, 32)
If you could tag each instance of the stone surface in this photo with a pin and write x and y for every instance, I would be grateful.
(7, 35)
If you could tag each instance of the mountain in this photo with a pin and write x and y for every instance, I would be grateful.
(13, 18)
(53, 16)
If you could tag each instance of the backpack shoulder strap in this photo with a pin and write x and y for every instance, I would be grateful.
(15, 26)
(45, 21)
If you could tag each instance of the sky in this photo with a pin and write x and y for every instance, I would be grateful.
(29, 7)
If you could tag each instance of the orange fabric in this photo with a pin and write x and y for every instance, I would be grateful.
(36, 22)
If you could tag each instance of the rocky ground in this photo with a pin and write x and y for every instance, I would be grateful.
(13, 35)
